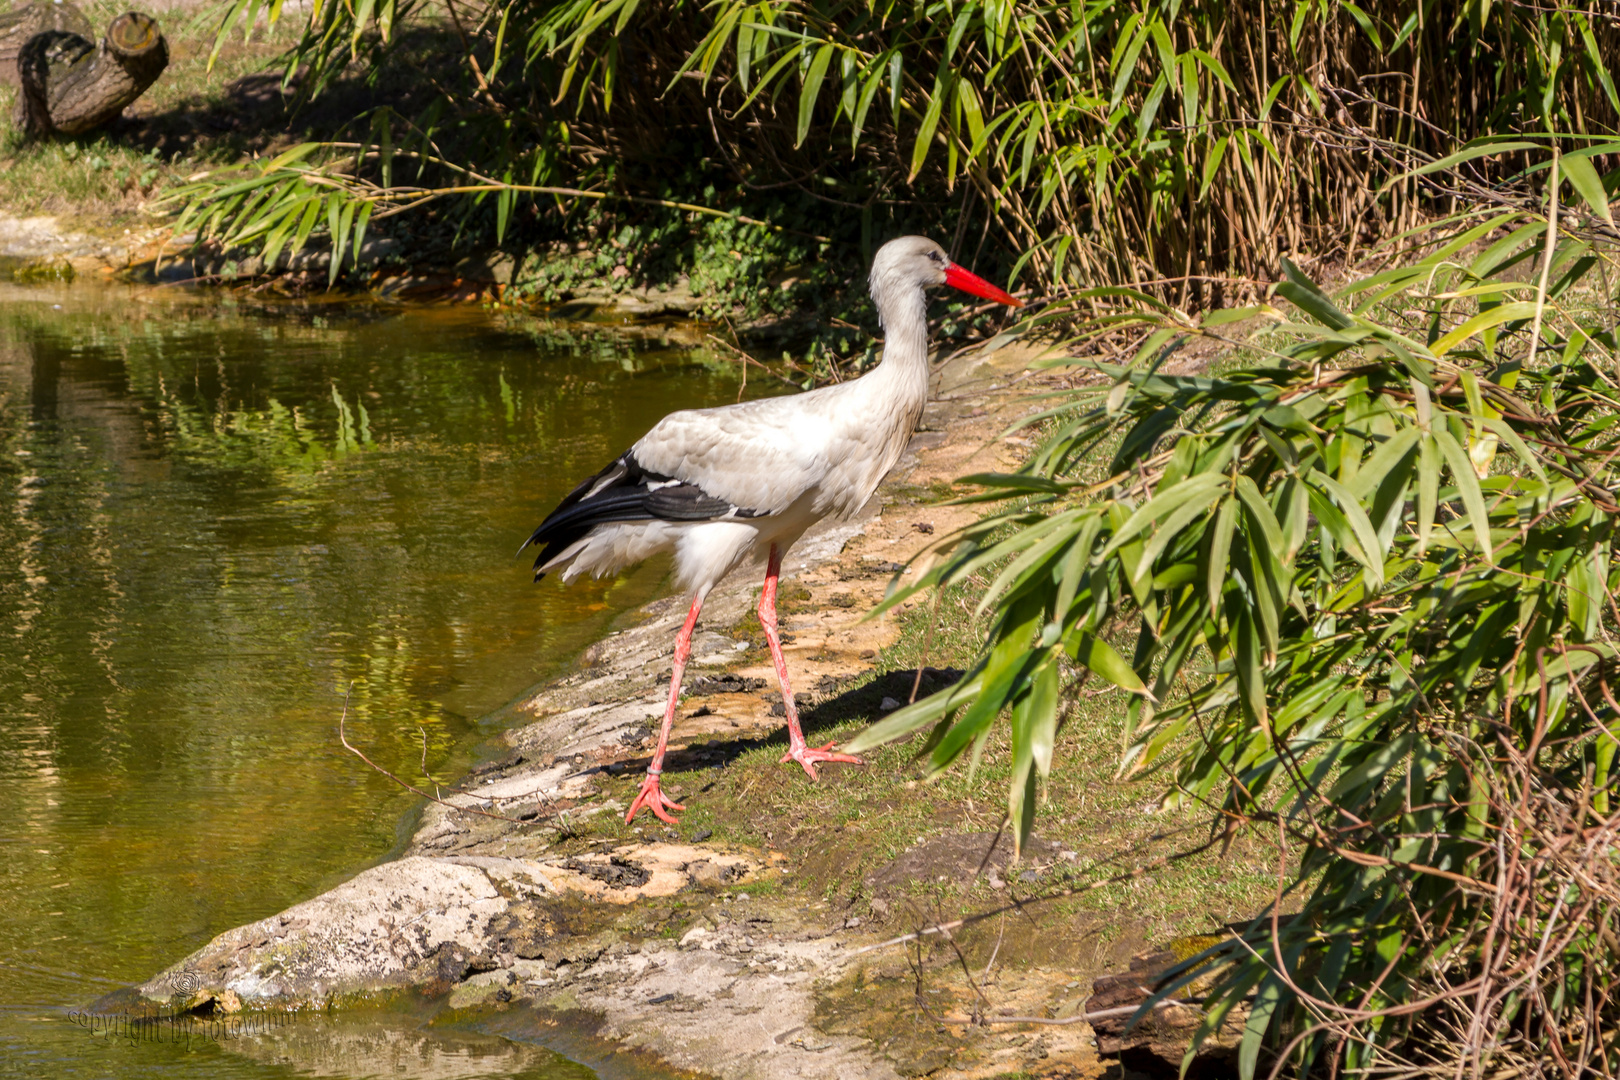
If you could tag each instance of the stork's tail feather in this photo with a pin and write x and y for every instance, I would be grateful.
(623, 492)
(567, 525)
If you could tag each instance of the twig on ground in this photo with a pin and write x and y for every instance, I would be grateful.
(343, 738)
(1080, 1018)
(1018, 905)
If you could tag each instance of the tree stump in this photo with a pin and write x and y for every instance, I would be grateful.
(69, 85)
(20, 24)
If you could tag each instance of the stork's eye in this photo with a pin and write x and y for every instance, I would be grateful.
(936, 256)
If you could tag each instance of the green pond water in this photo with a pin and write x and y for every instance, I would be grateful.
(215, 521)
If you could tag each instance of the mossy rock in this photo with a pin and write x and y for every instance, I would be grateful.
(36, 271)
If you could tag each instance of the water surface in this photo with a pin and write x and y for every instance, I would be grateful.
(215, 523)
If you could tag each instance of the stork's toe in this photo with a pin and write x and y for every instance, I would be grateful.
(653, 798)
(808, 756)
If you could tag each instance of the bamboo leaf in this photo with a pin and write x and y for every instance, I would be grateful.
(1246, 655)
(1203, 486)
(1371, 472)
(1599, 63)
(1195, 507)
(1097, 656)
(971, 109)
(504, 201)
(1428, 489)
(1261, 513)
(896, 64)
(1266, 1001)
(1272, 95)
(1305, 295)
(290, 156)
(1295, 520)
(340, 236)
(1583, 177)
(812, 90)
(1356, 537)
(1486, 319)
(360, 221)
(920, 714)
(1461, 157)
(1215, 67)
(362, 22)
(745, 51)
(1189, 91)
(334, 217)
(307, 224)
(1212, 165)
(1041, 707)
(874, 82)
(1125, 66)
(1004, 672)
(925, 133)
(1504, 431)
(1363, 20)
(1462, 471)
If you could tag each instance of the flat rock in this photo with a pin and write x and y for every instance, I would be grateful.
(1158, 1042)
(426, 922)
(415, 922)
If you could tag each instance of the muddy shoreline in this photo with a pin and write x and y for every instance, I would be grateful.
(45, 247)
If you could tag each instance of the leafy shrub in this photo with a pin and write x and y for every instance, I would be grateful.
(1372, 584)
(1178, 146)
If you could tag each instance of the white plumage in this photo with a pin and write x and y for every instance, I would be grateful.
(741, 483)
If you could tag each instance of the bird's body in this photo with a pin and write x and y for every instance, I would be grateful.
(752, 488)
(741, 483)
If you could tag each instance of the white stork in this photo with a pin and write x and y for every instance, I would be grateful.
(740, 483)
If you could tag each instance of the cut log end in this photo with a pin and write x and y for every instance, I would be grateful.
(133, 35)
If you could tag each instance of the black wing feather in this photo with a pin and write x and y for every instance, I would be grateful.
(624, 491)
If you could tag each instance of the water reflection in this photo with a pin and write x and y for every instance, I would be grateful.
(214, 524)
(374, 1049)
(356, 1047)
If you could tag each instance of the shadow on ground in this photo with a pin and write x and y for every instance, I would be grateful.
(826, 706)
(258, 113)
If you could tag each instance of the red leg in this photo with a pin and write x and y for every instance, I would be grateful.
(650, 795)
(798, 749)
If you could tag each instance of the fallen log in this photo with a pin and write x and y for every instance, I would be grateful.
(70, 85)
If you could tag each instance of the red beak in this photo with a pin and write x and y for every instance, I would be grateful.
(958, 278)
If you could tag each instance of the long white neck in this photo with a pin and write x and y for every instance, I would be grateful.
(904, 371)
(871, 419)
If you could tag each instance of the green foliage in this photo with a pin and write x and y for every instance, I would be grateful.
(1371, 582)
(1081, 141)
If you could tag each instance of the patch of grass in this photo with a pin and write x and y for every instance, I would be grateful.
(929, 494)
(107, 177)
(942, 631)
(841, 832)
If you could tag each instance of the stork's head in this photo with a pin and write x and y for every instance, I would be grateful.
(914, 263)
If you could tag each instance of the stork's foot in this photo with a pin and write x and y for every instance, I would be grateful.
(654, 799)
(809, 755)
